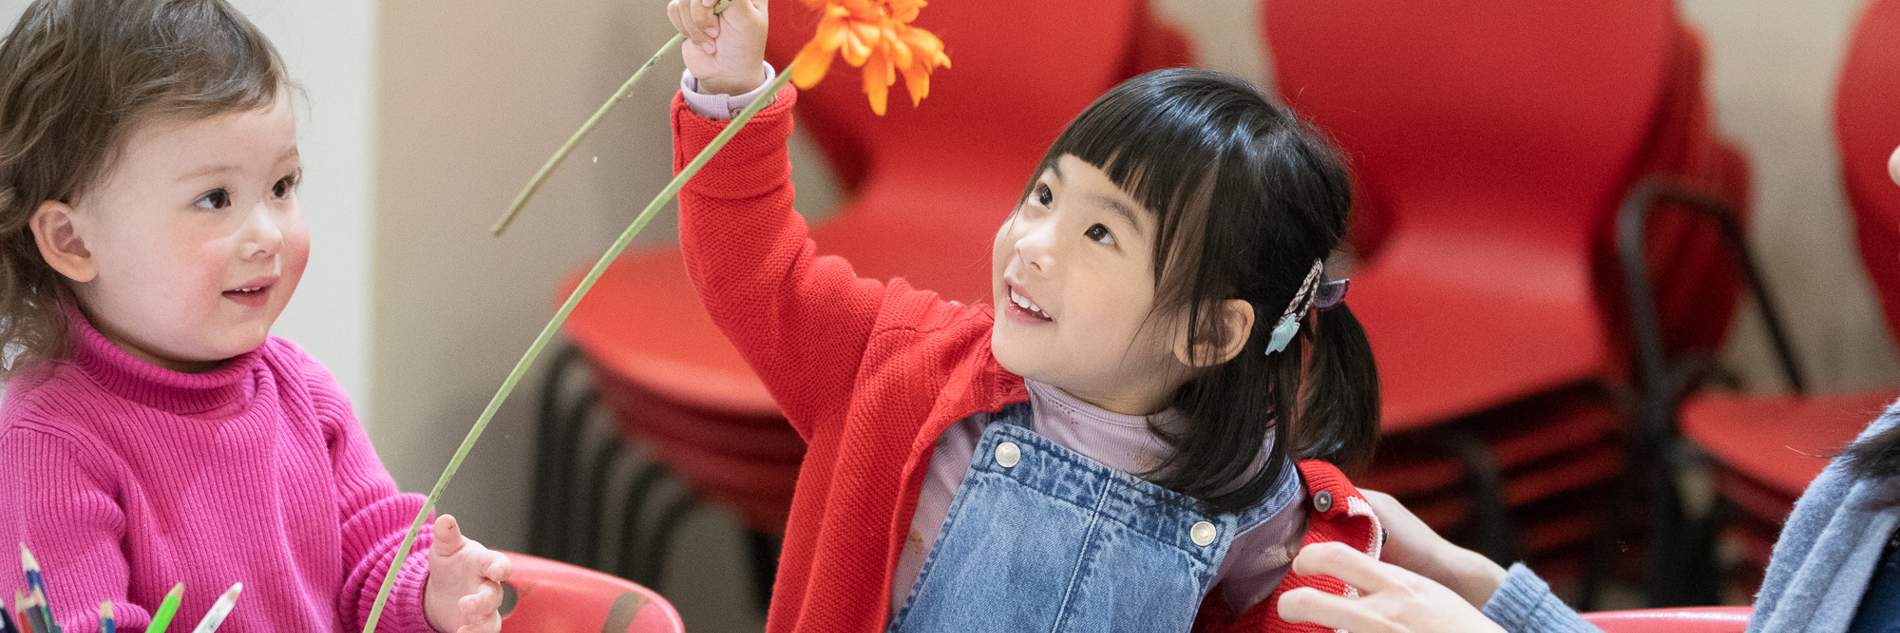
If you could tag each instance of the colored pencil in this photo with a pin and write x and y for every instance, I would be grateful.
(34, 612)
(107, 624)
(6, 621)
(219, 610)
(33, 578)
(163, 617)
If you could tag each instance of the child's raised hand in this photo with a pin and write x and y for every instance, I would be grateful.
(726, 52)
(464, 587)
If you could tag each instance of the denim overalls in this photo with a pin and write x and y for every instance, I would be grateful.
(1041, 538)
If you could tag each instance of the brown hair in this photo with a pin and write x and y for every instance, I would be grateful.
(76, 76)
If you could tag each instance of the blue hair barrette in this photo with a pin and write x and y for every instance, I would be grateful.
(1322, 296)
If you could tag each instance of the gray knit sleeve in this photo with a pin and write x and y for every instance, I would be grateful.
(1524, 604)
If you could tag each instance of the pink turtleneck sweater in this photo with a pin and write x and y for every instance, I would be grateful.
(125, 478)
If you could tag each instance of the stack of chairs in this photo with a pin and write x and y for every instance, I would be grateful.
(1764, 449)
(1493, 143)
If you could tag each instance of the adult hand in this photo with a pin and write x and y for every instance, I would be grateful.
(1391, 599)
(726, 51)
(1414, 546)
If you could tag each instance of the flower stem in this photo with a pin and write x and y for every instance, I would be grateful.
(534, 184)
(554, 325)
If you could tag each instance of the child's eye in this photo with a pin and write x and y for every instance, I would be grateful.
(1043, 195)
(1100, 233)
(283, 186)
(215, 199)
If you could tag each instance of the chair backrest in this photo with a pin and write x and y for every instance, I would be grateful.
(1867, 120)
(545, 596)
(1020, 71)
(1679, 620)
(1469, 115)
(930, 184)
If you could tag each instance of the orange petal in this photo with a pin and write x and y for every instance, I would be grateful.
(900, 51)
(863, 39)
(922, 42)
(876, 85)
(905, 10)
(917, 81)
(809, 67)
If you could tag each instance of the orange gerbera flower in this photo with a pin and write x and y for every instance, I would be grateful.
(877, 36)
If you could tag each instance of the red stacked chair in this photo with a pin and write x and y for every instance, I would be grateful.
(1765, 449)
(928, 188)
(1492, 143)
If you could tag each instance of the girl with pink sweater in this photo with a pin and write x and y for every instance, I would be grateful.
(152, 431)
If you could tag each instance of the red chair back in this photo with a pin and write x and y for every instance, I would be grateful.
(932, 183)
(545, 596)
(1679, 620)
(1867, 118)
(1465, 116)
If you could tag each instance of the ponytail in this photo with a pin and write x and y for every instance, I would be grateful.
(1338, 417)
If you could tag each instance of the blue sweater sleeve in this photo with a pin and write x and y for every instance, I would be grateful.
(1523, 603)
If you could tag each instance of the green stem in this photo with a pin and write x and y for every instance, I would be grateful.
(554, 325)
(560, 155)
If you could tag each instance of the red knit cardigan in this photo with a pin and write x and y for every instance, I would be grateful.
(870, 373)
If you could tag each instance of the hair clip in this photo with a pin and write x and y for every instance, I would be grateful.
(1330, 294)
(1282, 334)
(1289, 324)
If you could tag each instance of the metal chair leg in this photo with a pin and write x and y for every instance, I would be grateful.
(1497, 538)
(552, 438)
(587, 517)
(765, 551)
(655, 568)
(638, 491)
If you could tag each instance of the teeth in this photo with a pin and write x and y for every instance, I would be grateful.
(1025, 304)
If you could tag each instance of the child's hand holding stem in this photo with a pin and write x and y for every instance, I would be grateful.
(463, 592)
(725, 51)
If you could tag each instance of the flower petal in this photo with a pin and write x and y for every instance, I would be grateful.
(877, 85)
(809, 67)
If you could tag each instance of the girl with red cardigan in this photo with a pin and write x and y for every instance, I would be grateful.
(1111, 446)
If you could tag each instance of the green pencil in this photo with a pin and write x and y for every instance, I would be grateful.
(167, 609)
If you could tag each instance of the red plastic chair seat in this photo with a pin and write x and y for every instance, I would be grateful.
(554, 597)
(1781, 442)
(1677, 620)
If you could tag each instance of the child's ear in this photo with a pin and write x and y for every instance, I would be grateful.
(60, 241)
(1220, 341)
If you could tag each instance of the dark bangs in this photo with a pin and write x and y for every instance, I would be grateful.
(1247, 197)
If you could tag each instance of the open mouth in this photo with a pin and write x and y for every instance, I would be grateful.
(252, 294)
(1025, 306)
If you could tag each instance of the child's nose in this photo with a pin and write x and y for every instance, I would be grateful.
(1037, 245)
(262, 235)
